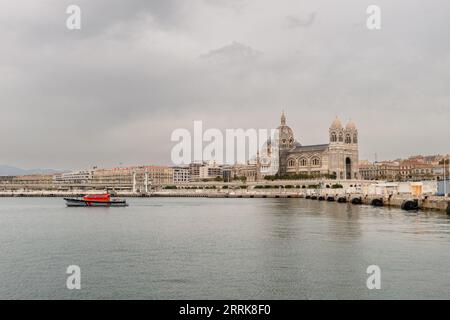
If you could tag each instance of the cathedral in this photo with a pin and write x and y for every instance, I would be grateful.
(337, 159)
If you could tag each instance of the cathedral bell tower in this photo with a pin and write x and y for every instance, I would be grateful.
(343, 151)
(285, 135)
(285, 143)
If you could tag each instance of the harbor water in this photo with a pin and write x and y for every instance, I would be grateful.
(200, 248)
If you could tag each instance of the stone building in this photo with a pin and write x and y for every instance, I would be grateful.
(210, 171)
(194, 170)
(251, 171)
(416, 168)
(338, 158)
(384, 170)
(31, 181)
(135, 178)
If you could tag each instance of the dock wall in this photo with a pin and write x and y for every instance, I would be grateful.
(424, 202)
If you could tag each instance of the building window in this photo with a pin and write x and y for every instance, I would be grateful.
(348, 138)
(303, 162)
(341, 137)
(355, 138)
(291, 163)
(333, 137)
(315, 161)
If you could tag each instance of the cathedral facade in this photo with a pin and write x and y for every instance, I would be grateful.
(337, 159)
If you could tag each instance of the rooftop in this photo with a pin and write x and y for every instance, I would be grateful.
(314, 147)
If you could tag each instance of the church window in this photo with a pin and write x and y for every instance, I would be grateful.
(333, 137)
(315, 161)
(303, 162)
(291, 163)
(341, 137)
(348, 138)
(355, 138)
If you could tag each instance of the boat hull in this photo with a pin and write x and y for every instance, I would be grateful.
(71, 202)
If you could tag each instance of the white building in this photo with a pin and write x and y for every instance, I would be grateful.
(74, 177)
(406, 188)
(181, 175)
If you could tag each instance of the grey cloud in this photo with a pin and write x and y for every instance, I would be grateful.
(236, 5)
(299, 21)
(45, 24)
(133, 74)
(232, 53)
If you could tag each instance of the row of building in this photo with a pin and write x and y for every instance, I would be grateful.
(136, 178)
(417, 168)
(283, 156)
(141, 178)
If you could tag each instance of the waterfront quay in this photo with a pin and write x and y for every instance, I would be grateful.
(358, 192)
(423, 202)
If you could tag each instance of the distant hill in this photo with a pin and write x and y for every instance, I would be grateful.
(6, 170)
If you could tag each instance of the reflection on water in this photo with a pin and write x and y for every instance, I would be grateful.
(198, 248)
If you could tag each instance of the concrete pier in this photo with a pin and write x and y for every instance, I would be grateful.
(424, 202)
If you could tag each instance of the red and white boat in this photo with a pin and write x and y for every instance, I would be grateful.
(95, 200)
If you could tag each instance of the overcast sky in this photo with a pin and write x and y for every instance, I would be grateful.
(114, 91)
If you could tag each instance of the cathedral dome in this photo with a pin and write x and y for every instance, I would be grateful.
(336, 125)
(350, 126)
(285, 131)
